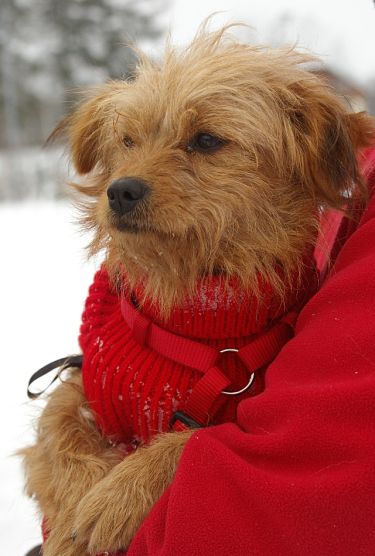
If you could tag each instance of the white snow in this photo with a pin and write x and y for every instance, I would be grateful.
(43, 283)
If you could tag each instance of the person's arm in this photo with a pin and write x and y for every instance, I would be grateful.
(296, 474)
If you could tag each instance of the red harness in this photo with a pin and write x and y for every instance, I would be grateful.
(255, 355)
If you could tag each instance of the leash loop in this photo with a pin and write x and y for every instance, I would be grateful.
(61, 364)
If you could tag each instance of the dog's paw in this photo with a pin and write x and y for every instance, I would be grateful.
(108, 517)
(110, 514)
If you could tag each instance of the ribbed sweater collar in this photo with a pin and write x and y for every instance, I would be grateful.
(219, 310)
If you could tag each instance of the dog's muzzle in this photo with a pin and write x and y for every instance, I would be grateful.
(125, 194)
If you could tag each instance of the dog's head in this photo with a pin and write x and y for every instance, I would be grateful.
(218, 160)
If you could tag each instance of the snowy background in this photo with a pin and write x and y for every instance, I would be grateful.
(47, 48)
(44, 280)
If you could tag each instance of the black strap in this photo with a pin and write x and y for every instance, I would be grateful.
(184, 418)
(61, 364)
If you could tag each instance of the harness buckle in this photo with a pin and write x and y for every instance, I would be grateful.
(187, 421)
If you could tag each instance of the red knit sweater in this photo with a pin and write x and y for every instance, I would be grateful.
(134, 390)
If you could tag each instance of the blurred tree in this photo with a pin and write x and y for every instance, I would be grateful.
(48, 48)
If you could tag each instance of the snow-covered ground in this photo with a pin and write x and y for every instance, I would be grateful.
(43, 284)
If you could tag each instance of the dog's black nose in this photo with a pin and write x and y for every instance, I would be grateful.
(125, 193)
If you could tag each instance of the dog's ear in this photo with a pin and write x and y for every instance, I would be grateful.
(327, 142)
(85, 129)
(85, 134)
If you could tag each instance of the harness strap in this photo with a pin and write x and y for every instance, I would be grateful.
(265, 347)
(255, 355)
(204, 394)
(176, 348)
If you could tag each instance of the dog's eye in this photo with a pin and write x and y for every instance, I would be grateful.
(205, 142)
(128, 142)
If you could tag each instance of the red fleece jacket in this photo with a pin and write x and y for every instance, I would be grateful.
(295, 475)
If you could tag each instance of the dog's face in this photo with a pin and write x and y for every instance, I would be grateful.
(216, 161)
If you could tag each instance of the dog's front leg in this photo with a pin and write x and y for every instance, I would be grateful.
(110, 514)
(69, 456)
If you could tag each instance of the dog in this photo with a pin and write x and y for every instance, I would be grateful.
(205, 178)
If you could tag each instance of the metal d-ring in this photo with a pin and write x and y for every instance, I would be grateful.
(251, 379)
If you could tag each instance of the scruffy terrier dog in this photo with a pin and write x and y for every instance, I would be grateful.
(206, 177)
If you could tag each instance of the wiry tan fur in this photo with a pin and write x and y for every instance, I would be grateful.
(70, 457)
(249, 209)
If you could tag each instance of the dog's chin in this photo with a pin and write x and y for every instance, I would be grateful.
(137, 226)
(129, 225)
